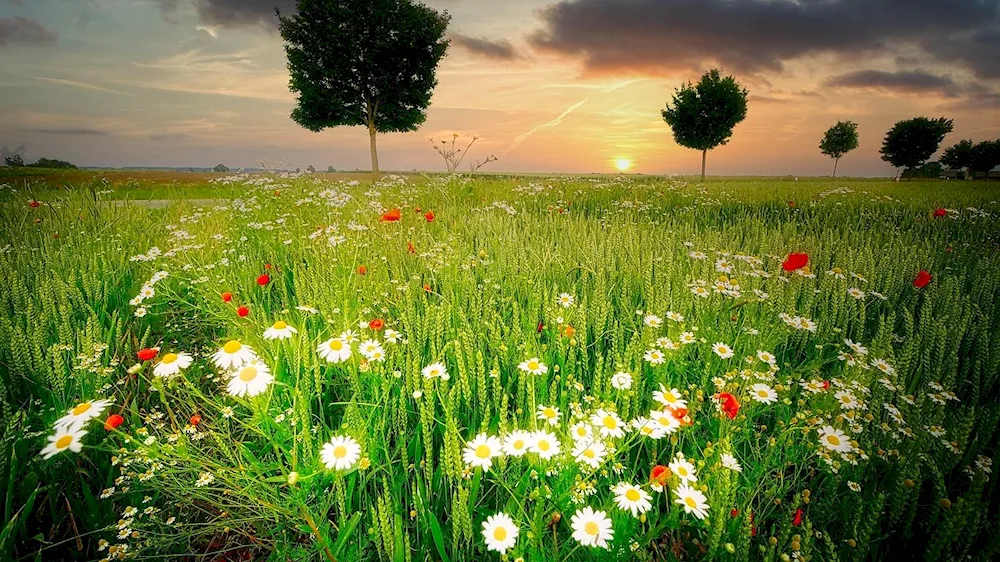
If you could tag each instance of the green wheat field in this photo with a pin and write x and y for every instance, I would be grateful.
(429, 368)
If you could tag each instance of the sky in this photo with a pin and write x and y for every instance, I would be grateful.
(547, 86)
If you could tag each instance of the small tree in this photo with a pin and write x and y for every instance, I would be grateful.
(14, 161)
(702, 116)
(911, 142)
(839, 140)
(220, 168)
(959, 156)
(367, 63)
(985, 157)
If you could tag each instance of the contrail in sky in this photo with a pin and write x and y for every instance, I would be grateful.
(521, 138)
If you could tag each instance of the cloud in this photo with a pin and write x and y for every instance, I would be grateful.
(24, 31)
(81, 131)
(754, 36)
(499, 49)
(231, 13)
(909, 82)
(169, 136)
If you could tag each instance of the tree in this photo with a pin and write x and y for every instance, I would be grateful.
(985, 157)
(911, 142)
(958, 156)
(368, 63)
(220, 168)
(839, 140)
(52, 164)
(14, 160)
(703, 116)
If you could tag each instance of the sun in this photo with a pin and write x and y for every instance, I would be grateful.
(623, 164)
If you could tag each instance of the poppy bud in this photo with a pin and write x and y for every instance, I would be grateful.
(195, 419)
(376, 324)
(147, 353)
(797, 520)
(427, 287)
(242, 311)
(429, 215)
(113, 421)
(34, 204)
(362, 270)
(227, 297)
(541, 326)
(411, 248)
(734, 512)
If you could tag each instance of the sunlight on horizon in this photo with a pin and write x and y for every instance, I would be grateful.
(623, 164)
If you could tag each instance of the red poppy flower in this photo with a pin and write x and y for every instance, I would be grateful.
(242, 311)
(362, 270)
(826, 385)
(797, 520)
(195, 419)
(922, 279)
(113, 421)
(795, 261)
(277, 192)
(659, 475)
(569, 331)
(429, 215)
(729, 405)
(227, 296)
(147, 354)
(541, 326)
(392, 216)
(791, 204)
(263, 280)
(679, 413)
(268, 266)
(940, 212)
(411, 248)
(734, 512)
(34, 204)
(427, 287)
(376, 324)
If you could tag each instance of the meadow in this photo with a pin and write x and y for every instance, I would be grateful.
(449, 368)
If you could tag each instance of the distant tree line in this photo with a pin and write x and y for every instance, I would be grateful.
(17, 161)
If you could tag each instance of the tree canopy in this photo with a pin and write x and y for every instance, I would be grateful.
(368, 63)
(702, 116)
(911, 142)
(958, 156)
(839, 140)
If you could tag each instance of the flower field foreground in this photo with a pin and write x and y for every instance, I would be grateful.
(536, 369)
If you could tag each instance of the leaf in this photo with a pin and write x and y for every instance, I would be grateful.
(437, 535)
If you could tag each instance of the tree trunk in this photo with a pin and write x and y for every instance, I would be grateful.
(371, 135)
(835, 162)
(704, 153)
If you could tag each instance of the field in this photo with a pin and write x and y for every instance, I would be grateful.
(281, 367)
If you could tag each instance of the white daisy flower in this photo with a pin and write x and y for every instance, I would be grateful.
(370, 348)
(335, 350)
(500, 533)
(435, 371)
(763, 393)
(77, 416)
(548, 414)
(683, 468)
(731, 463)
(341, 453)
(632, 498)
(692, 500)
(516, 443)
(592, 528)
(65, 438)
(653, 321)
(533, 366)
(835, 440)
(654, 356)
(480, 452)
(582, 431)
(250, 379)
(172, 364)
(722, 350)
(565, 300)
(233, 355)
(670, 398)
(665, 420)
(280, 330)
(545, 445)
(608, 424)
(621, 381)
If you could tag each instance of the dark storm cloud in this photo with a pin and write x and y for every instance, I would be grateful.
(500, 49)
(24, 31)
(77, 131)
(232, 13)
(655, 36)
(911, 82)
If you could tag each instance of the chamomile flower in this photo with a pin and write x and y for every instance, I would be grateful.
(665, 420)
(280, 330)
(648, 428)
(590, 453)
(341, 453)
(335, 350)
(545, 445)
(500, 533)
(654, 356)
(533, 366)
(77, 416)
(652, 320)
(250, 379)
(856, 293)
(370, 348)
(835, 440)
(621, 381)
(233, 355)
(516, 443)
(548, 414)
(847, 400)
(683, 468)
(692, 500)
(608, 424)
(722, 350)
(763, 393)
(565, 300)
(435, 371)
(172, 364)
(632, 498)
(480, 452)
(671, 398)
(766, 357)
(582, 431)
(592, 528)
(731, 463)
(65, 438)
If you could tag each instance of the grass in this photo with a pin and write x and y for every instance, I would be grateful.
(587, 277)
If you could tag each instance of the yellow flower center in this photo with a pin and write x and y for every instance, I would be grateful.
(632, 495)
(499, 533)
(518, 444)
(609, 422)
(690, 501)
(589, 453)
(838, 270)
(83, 407)
(336, 345)
(532, 365)
(682, 471)
(591, 528)
(669, 397)
(845, 399)
(833, 439)
(549, 412)
(340, 451)
(483, 451)
(762, 393)
(232, 346)
(279, 325)
(543, 445)
(64, 441)
(169, 358)
(248, 374)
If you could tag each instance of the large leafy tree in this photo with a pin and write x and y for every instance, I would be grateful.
(368, 63)
(911, 142)
(702, 115)
(838, 141)
(958, 156)
(985, 157)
